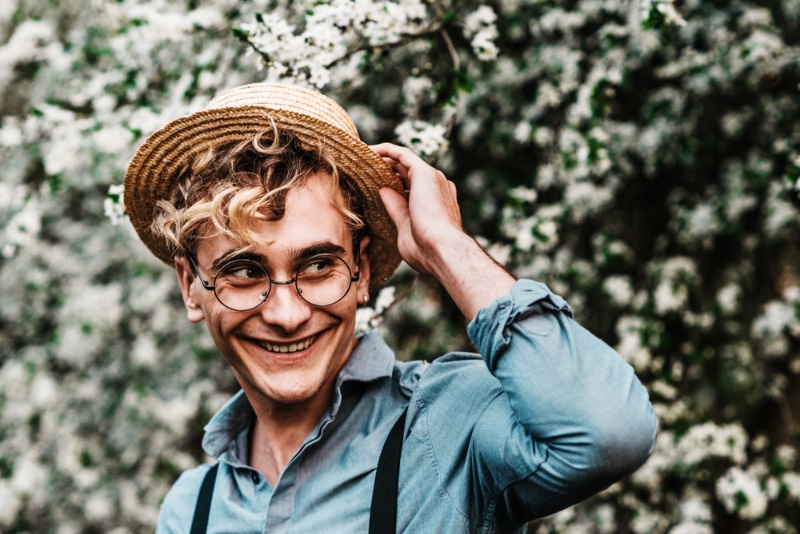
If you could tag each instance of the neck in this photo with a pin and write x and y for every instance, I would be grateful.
(278, 435)
(281, 429)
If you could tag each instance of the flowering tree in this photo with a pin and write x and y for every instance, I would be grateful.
(641, 158)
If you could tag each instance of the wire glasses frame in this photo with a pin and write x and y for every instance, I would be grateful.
(243, 284)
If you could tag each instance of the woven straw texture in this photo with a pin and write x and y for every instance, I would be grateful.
(240, 113)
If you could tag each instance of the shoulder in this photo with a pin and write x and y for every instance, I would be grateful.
(457, 381)
(177, 510)
(408, 374)
(469, 367)
(459, 370)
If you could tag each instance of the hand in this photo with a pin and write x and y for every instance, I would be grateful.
(430, 236)
(430, 219)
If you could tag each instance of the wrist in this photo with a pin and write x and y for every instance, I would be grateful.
(472, 278)
(450, 256)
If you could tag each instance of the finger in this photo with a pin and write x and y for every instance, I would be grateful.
(403, 155)
(396, 206)
(399, 169)
(382, 147)
(407, 163)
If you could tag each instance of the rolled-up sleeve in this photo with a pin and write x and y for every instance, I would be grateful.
(585, 420)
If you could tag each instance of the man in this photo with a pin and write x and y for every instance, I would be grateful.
(279, 221)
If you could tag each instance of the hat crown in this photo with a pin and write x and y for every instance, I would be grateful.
(288, 98)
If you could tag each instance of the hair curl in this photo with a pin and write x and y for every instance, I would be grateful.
(228, 187)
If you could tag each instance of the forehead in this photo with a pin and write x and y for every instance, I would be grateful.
(313, 215)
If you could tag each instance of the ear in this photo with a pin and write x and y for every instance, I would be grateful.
(363, 269)
(186, 278)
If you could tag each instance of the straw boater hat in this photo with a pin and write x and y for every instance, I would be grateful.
(240, 113)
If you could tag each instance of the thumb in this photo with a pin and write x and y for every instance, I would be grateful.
(396, 206)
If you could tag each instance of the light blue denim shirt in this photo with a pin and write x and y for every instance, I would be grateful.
(546, 417)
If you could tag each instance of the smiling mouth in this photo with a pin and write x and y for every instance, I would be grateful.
(287, 347)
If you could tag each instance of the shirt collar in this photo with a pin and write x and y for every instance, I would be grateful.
(371, 360)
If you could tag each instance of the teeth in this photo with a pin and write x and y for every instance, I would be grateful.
(286, 348)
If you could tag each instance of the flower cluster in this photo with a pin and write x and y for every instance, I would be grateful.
(331, 32)
(114, 204)
(424, 138)
(741, 493)
(480, 28)
(368, 318)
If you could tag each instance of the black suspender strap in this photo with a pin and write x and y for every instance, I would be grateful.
(383, 513)
(200, 521)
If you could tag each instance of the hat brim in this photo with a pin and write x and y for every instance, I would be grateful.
(152, 173)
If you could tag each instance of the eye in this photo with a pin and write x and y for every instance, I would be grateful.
(316, 266)
(242, 271)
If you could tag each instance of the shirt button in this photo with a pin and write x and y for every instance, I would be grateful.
(256, 478)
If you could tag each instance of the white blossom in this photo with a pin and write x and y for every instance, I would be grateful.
(424, 138)
(665, 7)
(522, 132)
(670, 297)
(44, 391)
(480, 28)
(786, 454)
(29, 475)
(25, 225)
(688, 527)
(144, 352)
(695, 510)
(26, 44)
(584, 198)
(483, 44)
(112, 139)
(630, 346)
(10, 133)
(728, 298)
(367, 317)
(11, 504)
(741, 493)
(778, 318)
(672, 293)
(619, 288)
(417, 90)
(99, 507)
(791, 481)
(709, 440)
(525, 194)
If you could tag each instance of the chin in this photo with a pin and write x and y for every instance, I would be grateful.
(281, 394)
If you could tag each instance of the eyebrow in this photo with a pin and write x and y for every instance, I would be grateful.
(321, 247)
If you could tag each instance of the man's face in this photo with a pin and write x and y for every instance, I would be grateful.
(286, 350)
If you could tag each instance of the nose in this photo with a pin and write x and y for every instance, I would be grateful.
(284, 309)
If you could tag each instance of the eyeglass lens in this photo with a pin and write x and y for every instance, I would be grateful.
(321, 281)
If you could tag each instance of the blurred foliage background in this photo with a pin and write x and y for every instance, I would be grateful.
(640, 157)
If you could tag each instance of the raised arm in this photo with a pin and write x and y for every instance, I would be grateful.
(572, 418)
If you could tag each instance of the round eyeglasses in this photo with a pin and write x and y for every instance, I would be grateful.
(242, 285)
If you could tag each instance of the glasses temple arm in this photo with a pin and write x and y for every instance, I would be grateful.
(197, 273)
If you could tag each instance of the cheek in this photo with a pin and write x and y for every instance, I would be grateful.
(219, 323)
(345, 310)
